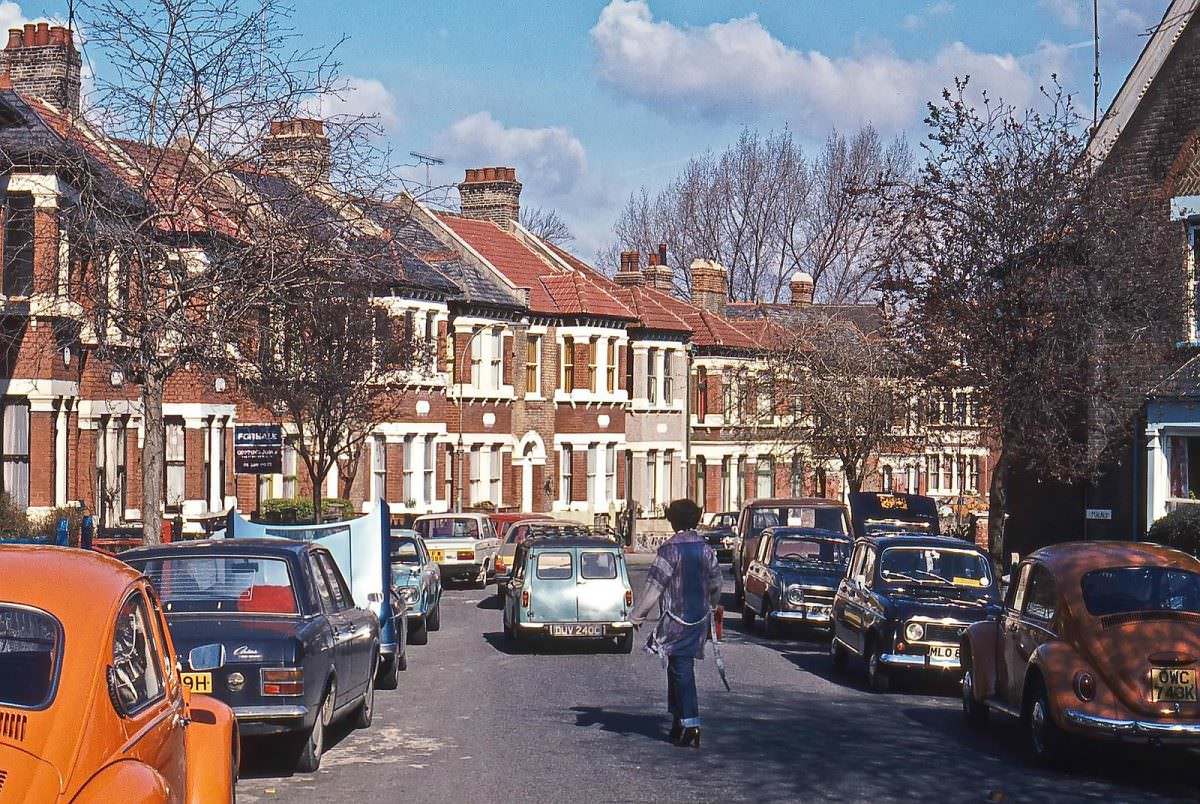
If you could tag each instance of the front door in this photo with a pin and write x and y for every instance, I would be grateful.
(757, 575)
(340, 630)
(1010, 670)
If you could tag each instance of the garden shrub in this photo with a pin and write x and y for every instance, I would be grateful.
(1179, 529)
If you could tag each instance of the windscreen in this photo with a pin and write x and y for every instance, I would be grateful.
(448, 528)
(250, 584)
(30, 643)
(833, 552)
(929, 565)
(1128, 589)
(797, 516)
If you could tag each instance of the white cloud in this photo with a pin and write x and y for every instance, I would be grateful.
(729, 68)
(551, 159)
(915, 22)
(1121, 21)
(11, 16)
(359, 97)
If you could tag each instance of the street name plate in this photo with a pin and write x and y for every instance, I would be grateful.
(1099, 513)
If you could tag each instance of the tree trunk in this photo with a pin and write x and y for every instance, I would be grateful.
(317, 483)
(854, 480)
(998, 507)
(154, 437)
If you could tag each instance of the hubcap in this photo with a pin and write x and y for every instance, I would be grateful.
(1037, 725)
(968, 691)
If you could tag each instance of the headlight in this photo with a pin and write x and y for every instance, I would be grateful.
(409, 594)
(914, 632)
(795, 596)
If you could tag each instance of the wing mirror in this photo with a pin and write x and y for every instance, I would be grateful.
(206, 657)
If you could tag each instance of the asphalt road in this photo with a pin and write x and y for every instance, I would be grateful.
(476, 721)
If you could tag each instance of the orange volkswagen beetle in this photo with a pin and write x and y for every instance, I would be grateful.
(1097, 639)
(92, 708)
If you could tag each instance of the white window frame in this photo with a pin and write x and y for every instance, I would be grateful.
(610, 472)
(592, 461)
(379, 467)
(429, 466)
(406, 487)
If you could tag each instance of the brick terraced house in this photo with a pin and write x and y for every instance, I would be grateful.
(550, 387)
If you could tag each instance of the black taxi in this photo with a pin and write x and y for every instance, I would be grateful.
(906, 601)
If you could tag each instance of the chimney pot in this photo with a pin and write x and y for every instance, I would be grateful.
(37, 70)
(662, 253)
(802, 287)
(43, 33)
(652, 259)
(15, 38)
(709, 289)
(298, 148)
(30, 34)
(58, 35)
(491, 194)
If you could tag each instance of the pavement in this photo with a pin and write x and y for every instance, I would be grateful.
(477, 720)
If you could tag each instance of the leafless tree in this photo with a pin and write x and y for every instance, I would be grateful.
(177, 247)
(1013, 270)
(764, 210)
(546, 224)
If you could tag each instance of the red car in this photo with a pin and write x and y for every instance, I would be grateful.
(1097, 640)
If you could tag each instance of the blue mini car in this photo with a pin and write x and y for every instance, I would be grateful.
(417, 582)
(572, 587)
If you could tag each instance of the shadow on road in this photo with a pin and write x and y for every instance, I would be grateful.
(548, 647)
(272, 757)
(492, 601)
(624, 723)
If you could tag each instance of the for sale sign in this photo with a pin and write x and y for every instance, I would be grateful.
(258, 449)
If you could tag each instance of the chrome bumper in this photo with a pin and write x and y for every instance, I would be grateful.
(801, 616)
(1134, 729)
(253, 713)
(621, 624)
(912, 660)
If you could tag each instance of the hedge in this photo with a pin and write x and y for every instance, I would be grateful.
(1179, 529)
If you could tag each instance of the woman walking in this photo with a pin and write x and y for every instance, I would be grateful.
(685, 582)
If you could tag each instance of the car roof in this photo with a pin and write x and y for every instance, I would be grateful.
(40, 576)
(463, 515)
(792, 530)
(1077, 558)
(815, 502)
(542, 542)
(917, 539)
(266, 546)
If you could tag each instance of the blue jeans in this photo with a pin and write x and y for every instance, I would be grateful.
(682, 701)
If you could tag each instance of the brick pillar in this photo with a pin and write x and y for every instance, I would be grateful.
(712, 486)
(507, 486)
(133, 469)
(45, 250)
(579, 474)
(395, 473)
(193, 473)
(41, 458)
(85, 466)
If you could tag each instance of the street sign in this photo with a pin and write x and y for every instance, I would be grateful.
(258, 449)
(1099, 513)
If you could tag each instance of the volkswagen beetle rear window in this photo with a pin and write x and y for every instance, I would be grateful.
(249, 584)
(30, 647)
(1121, 590)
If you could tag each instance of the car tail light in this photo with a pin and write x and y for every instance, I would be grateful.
(501, 565)
(628, 599)
(282, 681)
(1085, 686)
(525, 599)
(466, 555)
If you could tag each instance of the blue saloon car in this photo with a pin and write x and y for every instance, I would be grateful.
(417, 582)
(297, 653)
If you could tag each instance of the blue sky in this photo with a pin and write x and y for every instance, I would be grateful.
(591, 99)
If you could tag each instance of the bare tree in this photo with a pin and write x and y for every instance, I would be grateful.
(546, 224)
(1012, 269)
(764, 211)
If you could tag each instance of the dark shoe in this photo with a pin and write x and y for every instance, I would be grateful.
(676, 731)
(689, 737)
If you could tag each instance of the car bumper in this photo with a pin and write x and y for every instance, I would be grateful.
(806, 616)
(613, 628)
(1137, 730)
(260, 720)
(916, 662)
(466, 569)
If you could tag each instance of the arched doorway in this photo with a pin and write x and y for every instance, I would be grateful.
(531, 457)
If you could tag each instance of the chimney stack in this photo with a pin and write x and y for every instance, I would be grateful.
(491, 194)
(629, 275)
(802, 288)
(41, 60)
(658, 274)
(709, 288)
(298, 149)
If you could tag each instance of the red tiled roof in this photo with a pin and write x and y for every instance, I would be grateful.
(553, 289)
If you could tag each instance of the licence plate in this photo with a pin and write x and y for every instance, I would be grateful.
(943, 653)
(820, 612)
(576, 630)
(197, 682)
(437, 556)
(1173, 684)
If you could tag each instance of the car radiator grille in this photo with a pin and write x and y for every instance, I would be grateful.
(12, 726)
(821, 596)
(936, 632)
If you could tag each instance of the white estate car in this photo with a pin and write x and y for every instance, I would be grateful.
(464, 546)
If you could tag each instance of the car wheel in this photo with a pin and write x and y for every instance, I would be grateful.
(747, 617)
(975, 713)
(419, 635)
(838, 654)
(482, 580)
(433, 620)
(366, 710)
(388, 676)
(625, 642)
(313, 745)
(402, 660)
(1047, 741)
(877, 677)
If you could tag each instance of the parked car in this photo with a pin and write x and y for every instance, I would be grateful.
(720, 533)
(874, 513)
(794, 577)
(464, 546)
(906, 601)
(417, 582)
(295, 652)
(772, 512)
(570, 587)
(1097, 640)
(85, 664)
(503, 521)
(528, 529)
